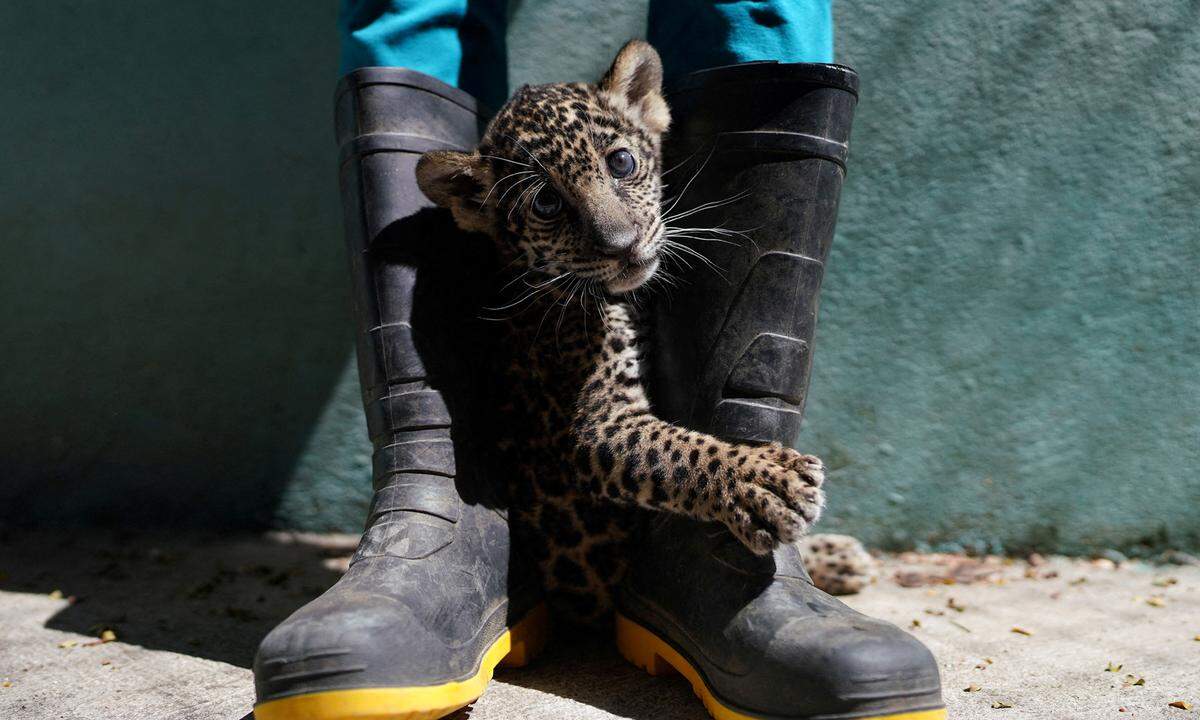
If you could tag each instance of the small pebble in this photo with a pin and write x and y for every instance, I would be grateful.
(1117, 557)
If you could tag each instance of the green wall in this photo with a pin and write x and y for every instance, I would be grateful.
(1010, 343)
(1009, 350)
(172, 274)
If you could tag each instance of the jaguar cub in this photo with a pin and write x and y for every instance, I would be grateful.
(567, 182)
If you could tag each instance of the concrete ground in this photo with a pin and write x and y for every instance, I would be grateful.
(1057, 638)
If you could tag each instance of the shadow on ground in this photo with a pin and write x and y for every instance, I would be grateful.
(214, 597)
(586, 668)
(208, 596)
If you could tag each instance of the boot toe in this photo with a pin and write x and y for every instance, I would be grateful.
(358, 634)
(843, 664)
(346, 641)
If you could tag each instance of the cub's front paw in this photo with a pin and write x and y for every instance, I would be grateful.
(773, 497)
(809, 467)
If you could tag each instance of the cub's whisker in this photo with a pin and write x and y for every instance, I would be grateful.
(699, 256)
(497, 184)
(504, 159)
(704, 239)
(532, 176)
(712, 205)
(540, 288)
(691, 179)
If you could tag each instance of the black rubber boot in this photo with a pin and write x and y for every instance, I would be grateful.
(752, 634)
(430, 604)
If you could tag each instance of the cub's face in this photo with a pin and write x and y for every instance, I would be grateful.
(567, 177)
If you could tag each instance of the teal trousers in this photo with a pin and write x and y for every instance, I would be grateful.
(461, 42)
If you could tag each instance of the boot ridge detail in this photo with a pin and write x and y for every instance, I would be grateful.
(514, 648)
(772, 366)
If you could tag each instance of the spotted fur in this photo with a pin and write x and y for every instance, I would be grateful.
(839, 564)
(579, 441)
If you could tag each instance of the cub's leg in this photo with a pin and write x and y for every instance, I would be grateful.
(765, 494)
(838, 564)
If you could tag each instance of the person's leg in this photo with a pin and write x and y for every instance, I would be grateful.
(460, 42)
(698, 34)
(433, 599)
(760, 150)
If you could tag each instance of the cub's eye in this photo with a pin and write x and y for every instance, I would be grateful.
(547, 203)
(621, 163)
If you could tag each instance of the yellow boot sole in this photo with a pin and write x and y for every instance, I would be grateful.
(654, 655)
(516, 647)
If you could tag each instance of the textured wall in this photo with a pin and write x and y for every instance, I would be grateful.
(171, 272)
(1009, 350)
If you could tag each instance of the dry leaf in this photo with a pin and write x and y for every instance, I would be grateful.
(955, 605)
(1156, 601)
(959, 625)
(1181, 704)
(1113, 667)
(972, 688)
(936, 613)
(1000, 705)
(106, 662)
(1021, 631)
(916, 623)
(68, 643)
(1164, 582)
(1197, 638)
(1078, 581)
(56, 594)
(983, 665)
(936, 569)
(6, 684)
(105, 635)
(1134, 680)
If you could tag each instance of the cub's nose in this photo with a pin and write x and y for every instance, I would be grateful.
(615, 241)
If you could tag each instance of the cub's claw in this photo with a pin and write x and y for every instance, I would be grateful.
(775, 498)
(809, 467)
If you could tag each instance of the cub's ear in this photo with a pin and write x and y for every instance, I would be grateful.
(636, 78)
(456, 181)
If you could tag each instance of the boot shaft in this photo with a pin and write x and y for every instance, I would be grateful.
(765, 146)
(416, 281)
